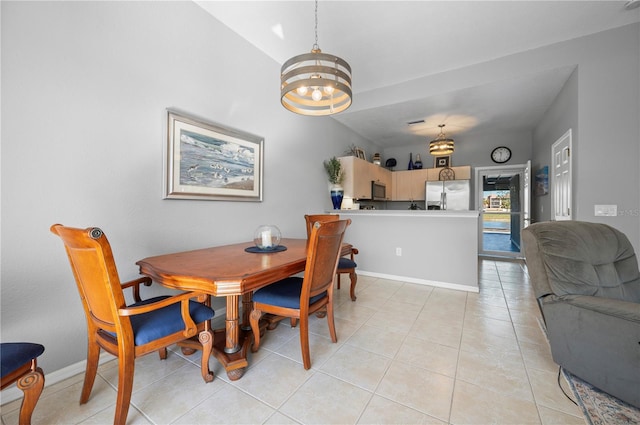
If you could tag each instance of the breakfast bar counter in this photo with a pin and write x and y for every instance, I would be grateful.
(432, 247)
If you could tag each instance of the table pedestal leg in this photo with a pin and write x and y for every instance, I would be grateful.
(247, 306)
(229, 344)
(231, 325)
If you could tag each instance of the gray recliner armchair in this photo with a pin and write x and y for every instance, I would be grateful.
(586, 279)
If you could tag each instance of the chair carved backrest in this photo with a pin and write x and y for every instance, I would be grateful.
(96, 276)
(310, 219)
(325, 244)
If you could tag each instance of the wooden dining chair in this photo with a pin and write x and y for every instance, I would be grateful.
(18, 363)
(128, 331)
(346, 265)
(299, 297)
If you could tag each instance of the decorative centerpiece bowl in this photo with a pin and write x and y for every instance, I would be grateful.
(267, 237)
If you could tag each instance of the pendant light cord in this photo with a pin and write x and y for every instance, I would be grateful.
(315, 46)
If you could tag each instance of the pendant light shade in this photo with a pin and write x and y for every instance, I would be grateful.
(315, 83)
(441, 145)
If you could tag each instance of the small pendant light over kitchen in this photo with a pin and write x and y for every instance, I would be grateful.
(315, 83)
(441, 145)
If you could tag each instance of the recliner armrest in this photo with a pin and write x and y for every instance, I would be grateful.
(622, 309)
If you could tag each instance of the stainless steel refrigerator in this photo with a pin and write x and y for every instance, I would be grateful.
(448, 194)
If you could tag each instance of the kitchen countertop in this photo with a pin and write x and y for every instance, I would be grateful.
(433, 247)
(410, 213)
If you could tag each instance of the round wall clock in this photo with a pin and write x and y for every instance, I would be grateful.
(501, 154)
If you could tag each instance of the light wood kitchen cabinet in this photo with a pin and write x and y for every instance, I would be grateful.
(382, 175)
(409, 185)
(358, 175)
(406, 185)
(462, 173)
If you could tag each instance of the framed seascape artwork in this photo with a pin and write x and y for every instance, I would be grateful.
(542, 181)
(208, 161)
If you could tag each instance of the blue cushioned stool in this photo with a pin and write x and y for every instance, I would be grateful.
(18, 363)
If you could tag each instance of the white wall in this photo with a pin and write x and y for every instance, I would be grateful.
(601, 104)
(604, 106)
(84, 91)
(561, 116)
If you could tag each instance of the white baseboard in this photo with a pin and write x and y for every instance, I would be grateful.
(435, 283)
(50, 378)
(13, 393)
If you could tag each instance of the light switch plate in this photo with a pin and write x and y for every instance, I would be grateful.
(605, 210)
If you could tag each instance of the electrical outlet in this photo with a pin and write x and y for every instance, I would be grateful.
(399, 252)
(605, 210)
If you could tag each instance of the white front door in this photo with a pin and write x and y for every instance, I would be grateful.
(561, 177)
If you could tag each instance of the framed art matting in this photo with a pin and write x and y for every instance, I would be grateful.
(208, 161)
(442, 161)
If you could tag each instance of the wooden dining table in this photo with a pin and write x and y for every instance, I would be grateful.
(229, 271)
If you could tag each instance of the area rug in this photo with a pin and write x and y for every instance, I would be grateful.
(600, 408)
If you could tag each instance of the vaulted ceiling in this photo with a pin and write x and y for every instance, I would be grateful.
(391, 42)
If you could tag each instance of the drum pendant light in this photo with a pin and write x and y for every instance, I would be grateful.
(315, 83)
(441, 145)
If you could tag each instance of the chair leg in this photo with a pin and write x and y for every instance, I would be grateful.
(354, 280)
(126, 369)
(206, 339)
(338, 279)
(254, 320)
(93, 356)
(31, 385)
(163, 353)
(304, 341)
(331, 322)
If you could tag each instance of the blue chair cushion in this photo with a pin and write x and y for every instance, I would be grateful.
(284, 293)
(15, 354)
(150, 326)
(346, 263)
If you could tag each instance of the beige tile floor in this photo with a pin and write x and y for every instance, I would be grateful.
(406, 353)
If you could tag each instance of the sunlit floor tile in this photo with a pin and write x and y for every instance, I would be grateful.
(326, 400)
(376, 340)
(230, 406)
(548, 393)
(383, 411)
(174, 395)
(554, 417)
(476, 404)
(488, 325)
(320, 349)
(429, 355)
(499, 371)
(420, 389)
(439, 331)
(357, 366)
(538, 356)
(274, 381)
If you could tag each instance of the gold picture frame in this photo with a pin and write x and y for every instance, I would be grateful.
(208, 161)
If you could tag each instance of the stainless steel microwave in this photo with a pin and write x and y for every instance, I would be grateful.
(378, 191)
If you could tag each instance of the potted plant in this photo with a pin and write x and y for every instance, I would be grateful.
(333, 167)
